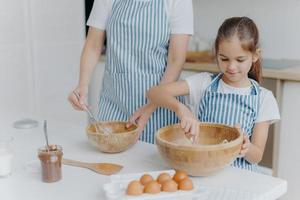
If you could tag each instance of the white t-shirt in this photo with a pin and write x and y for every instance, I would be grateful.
(180, 13)
(268, 110)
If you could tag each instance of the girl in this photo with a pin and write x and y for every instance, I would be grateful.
(146, 45)
(233, 97)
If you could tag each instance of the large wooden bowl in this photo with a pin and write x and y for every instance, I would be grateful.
(218, 145)
(119, 139)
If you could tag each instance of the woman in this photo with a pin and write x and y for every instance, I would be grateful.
(146, 46)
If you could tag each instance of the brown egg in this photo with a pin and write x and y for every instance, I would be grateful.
(179, 175)
(186, 184)
(152, 187)
(163, 177)
(146, 178)
(169, 186)
(135, 188)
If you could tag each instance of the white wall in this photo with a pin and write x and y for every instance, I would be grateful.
(15, 79)
(277, 20)
(40, 45)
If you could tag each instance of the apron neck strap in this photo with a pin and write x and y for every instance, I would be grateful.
(216, 79)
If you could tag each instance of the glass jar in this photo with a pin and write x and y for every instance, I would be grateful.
(51, 158)
(6, 155)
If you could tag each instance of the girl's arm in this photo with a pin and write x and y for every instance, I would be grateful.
(165, 96)
(256, 148)
(176, 59)
(89, 59)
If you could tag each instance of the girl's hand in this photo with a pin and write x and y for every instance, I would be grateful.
(245, 146)
(246, 142)
(188, 122)
(141, 116)
(82, 92)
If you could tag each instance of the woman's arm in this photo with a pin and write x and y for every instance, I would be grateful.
(257, 146)
(176, 57)
(90, 54)
(89, 59)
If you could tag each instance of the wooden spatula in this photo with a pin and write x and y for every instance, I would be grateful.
(101, 168)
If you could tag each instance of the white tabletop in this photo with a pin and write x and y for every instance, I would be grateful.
(78, 183)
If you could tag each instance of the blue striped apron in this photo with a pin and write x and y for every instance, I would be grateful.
(231, 109)
(138, 34)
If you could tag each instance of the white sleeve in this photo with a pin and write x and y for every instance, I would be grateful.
(181, 16)
(268, 110)
(197, 85)
(99, 14)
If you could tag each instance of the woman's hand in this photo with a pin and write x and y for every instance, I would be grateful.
(188, 122)
(78, 104)
(246, 145)
(141, 116)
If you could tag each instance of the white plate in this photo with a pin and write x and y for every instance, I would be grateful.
(116, 189)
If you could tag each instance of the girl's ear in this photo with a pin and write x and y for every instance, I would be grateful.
(256, 55)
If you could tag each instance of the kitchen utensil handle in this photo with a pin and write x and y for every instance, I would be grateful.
(90, 113)
(74, 163)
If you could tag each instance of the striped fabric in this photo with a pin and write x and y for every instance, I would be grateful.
(137, 39)
(231, 109)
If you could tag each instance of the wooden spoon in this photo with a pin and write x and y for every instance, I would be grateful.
(101, 168)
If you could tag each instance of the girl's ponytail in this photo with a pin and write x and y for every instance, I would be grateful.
(256, 71)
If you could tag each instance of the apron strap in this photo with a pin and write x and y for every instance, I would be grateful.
(255, 89)
(215, 82)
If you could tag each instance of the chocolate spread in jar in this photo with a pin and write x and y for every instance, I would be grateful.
(51, 163)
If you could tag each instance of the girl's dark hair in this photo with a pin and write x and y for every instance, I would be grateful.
(247, 32)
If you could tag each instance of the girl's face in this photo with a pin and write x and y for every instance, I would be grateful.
(235, 62)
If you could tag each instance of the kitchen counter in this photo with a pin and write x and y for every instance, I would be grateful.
(281, 69)
(78, 183)
(272, 68)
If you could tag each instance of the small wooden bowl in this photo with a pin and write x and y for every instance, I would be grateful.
(120, 138)
(209, 155)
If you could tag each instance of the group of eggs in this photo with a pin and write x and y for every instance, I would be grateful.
(164, 182)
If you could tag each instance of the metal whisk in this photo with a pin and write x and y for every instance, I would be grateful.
(93, 120)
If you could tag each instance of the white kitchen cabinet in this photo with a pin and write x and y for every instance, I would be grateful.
(288, 159)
